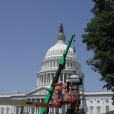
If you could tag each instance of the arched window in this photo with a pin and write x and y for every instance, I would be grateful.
(42, 78)
(2, 110)
(71, 64)
(7, 110)
(91, 101)
(61, 51)
(50, 64)
(67, 64)
(91, 109)
(106, 101)
(107, 108)
(98, 109)
(74, 65)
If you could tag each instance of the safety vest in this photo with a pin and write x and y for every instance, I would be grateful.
(57, 87)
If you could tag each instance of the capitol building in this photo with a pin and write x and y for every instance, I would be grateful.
(92, 102)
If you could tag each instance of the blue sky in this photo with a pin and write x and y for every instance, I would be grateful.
(28, 28)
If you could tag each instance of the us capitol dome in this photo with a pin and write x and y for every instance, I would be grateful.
(93, 102)
(51, 62)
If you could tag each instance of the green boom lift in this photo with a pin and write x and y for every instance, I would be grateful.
(55, 80)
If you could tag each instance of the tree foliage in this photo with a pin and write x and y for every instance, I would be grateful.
(99, 37)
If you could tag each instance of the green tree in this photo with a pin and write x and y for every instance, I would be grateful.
(99, 37)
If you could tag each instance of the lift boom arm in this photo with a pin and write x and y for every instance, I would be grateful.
(55, 80)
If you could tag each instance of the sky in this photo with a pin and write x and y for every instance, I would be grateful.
(28, 28)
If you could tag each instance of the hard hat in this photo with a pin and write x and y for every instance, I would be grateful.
(60, 81)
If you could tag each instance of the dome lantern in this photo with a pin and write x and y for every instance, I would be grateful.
(61, 36)
(61, 29)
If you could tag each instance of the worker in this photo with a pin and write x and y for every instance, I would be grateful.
(58, 87)
(67, 86)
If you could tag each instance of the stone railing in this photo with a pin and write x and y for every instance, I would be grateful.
(5, 95)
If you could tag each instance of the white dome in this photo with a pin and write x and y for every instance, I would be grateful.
(58, 50)
(51, 62)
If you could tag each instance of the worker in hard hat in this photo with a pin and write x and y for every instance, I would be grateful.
(67, 86)
(58, 87)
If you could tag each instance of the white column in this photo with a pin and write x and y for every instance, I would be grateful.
(39, 108)
(60, 110)
(50, 79)
(12, 109)
(56, 64)
(50, 109)
(67, 75)
(49, 65)
(95, 107)
(35, 108)
(88, 105)
(38, 82)
(29, 110)
(65, 109)
(43, 79)
(54, 110)
(102, 108)
(19, 110)
(46, 78)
